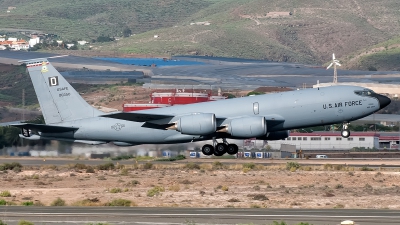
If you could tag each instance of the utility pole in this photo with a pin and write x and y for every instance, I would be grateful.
(23, 104)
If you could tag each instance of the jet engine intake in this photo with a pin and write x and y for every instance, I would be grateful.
(275, 135)
(247, 127)
(197, 124)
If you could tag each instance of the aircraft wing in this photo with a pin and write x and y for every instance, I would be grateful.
(164, 119)
(44, 128)
(139, 117)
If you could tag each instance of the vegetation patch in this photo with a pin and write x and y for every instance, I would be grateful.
(58, 202)
(10, 166)
(155, 191)
(179, 157)
(5, 194)
(106, 166)
(120, 202)
(116, 190)
(292, 166)
(25, 222)
(122, 157)
(28, 203)
(192, 166)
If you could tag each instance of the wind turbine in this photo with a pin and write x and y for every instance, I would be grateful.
(334, 63)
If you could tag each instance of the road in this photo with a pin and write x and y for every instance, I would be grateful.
(132, 215)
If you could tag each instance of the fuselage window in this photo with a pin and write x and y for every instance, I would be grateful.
(364, 93)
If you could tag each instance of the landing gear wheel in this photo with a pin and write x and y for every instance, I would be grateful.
(345, 130)
(220, 149)
(207, 149)
(345, 133)
(232, 149)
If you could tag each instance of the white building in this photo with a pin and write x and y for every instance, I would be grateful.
(82, 42)
(329, 141)
(34, 41)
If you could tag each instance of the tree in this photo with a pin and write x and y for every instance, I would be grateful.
(127, 32)
(12, 135)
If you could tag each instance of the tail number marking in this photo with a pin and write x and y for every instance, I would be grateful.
(53, 81)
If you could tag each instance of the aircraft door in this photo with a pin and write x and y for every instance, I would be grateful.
(256, 109)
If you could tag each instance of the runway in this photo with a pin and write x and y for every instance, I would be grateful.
(373, 163)
(123, 215)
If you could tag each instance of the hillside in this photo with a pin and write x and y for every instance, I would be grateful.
(254, 29)
(89, 19)
(296, 31)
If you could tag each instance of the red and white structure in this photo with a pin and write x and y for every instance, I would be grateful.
(176, 97)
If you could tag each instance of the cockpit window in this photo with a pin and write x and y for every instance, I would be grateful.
(365, 92)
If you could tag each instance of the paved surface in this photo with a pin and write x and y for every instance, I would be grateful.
(33, 161)
(233, 74)
(123, 215)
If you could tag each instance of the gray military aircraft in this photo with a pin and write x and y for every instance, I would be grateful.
(267, 117)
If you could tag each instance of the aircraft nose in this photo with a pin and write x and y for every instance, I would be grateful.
(383, 101)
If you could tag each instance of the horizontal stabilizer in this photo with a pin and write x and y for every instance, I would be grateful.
(37, 137)
(44, 128)
(138, 117)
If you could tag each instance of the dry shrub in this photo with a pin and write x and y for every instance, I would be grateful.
(225, 188)
(155, 191)
(233, 200)
(115, 190)
(80, 166)
(58, 202)
(258, 197)
(206, 166)
(106, 166)
(192, 166)
(49, 167)
(124, 172)
(120, 202)
(90, 169)
(235, 167)
(88, 202)
(5, 194)
(186, 181)
(217, 165)
(174, 188)
(148, 166)
(327, 166)
(329, 194)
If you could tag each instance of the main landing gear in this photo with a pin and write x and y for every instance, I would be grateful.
(219, 149)
(345, 130)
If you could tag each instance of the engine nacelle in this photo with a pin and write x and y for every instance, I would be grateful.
(275, 135)
(247, 127)
(197, 124)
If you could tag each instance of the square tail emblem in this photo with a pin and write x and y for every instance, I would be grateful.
(53, 81)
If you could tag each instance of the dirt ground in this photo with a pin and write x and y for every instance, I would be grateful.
(209, 185)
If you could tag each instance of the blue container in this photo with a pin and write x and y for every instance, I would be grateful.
(194, 155)
(166, 154)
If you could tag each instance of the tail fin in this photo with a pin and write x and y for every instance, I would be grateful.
(58, 100)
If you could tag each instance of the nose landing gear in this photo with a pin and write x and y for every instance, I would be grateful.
(345, 130)
(219, 149)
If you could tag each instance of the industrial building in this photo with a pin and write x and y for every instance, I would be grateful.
(334, 141)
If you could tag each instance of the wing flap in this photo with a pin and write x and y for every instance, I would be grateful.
(44, 128)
